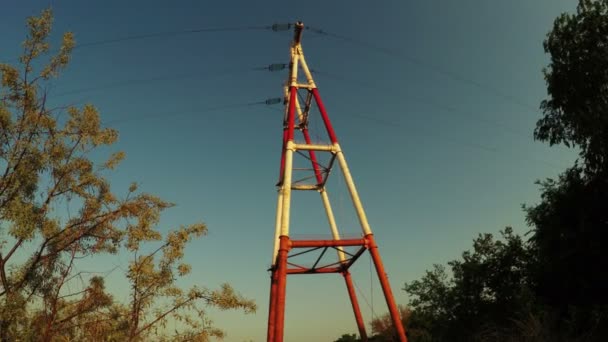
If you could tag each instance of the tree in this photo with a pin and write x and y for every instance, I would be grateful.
(551, 288)
(46, 162)
(348, 338)
(485, 296)
(575, 113)
(154, 282)
(570, 232)
(571, 221)
(384, 331)
(489, 287)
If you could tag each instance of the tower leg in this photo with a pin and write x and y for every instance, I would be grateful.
(272, 306)
(353, 299)
(282, 242)
(386, 288)
(279, 311)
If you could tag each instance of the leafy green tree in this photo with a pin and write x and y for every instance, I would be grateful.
(552, 288)
(383, 328)
(384, 331)
(348, 338)
(570, 234)
(571, 221)
(576, 112)
(153, 282)
(489, 286)
(45, 163)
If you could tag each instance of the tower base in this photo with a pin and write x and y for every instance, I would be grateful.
(276, 315)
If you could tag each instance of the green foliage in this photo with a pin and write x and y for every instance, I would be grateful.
(576, 112)
(44, 164)
(552, 287)
(384, 331)
(153, 282)
(500, 291)
(348, 338)
(488, 286)
(570, 233)
(571, 221)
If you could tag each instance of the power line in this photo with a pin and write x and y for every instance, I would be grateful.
(274, 27)
(393, 124)
(185, 113)
(281, 66)
(370, 306)
(430, 134)
(157, 79)
(287, 26)
(429, 66)
(171, 34)
(472, 145)
(428, 102)
(468, 144)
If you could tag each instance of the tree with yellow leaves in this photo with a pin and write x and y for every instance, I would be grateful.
(45, 162)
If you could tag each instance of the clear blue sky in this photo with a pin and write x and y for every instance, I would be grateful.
(437, 130)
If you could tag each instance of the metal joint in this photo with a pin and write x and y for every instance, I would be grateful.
(290, 146)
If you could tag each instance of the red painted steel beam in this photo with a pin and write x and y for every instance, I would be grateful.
(326, 121)
(279, 325)
(315, 270)
(327, 243)
(313, 157)
(272, 307)
(355, 303)
(292, 112)
(282, 169)
(386, 288)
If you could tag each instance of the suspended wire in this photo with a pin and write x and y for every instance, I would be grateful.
(428, 102)
(365, 299)
(170, 34)
(184, 113)
(473, 145)
(272, 68)
(274, 27)
(272, 101)
(157, 79)
(267, 102)
(429, 66)
(287, 26)
(395, 124)
(280, 66)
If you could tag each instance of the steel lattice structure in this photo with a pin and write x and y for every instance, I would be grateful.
(299, 99)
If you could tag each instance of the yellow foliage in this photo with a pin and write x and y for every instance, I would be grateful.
(48, 167)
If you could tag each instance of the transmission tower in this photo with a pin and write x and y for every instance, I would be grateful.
(299, 98)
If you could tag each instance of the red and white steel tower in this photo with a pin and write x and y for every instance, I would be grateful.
(299, 98)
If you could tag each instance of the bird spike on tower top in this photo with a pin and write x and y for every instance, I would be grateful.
(297, 37)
